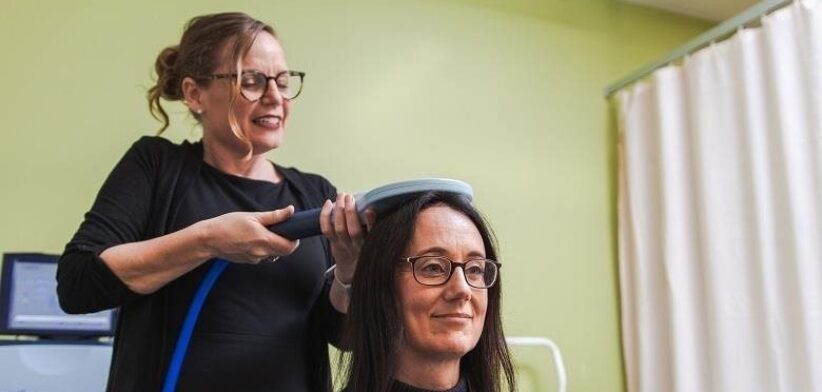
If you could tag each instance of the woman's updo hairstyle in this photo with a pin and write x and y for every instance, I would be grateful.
(198, 55)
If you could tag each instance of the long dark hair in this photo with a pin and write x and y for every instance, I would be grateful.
(374, 325)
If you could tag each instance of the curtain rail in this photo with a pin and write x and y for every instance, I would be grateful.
(746, 18)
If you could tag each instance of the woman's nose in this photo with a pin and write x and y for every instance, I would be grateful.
(272, 93)
(457, 286)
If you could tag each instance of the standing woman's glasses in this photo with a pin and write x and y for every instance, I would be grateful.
(254, 84)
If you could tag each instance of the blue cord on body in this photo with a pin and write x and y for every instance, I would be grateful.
(181, 347)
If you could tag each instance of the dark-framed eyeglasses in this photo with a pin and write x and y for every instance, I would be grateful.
(437, 270)
(254, 84)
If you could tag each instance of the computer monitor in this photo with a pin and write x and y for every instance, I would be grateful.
(29, 306)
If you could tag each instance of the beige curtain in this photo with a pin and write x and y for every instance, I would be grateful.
(721, 214)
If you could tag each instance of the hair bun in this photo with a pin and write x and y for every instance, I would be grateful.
(167, 75)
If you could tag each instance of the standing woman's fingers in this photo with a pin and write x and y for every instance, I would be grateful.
(325, 219)
(268, 218)
(352, 220)
(340, 227)
(281, 246)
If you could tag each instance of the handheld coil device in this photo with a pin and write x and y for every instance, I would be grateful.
(305, 224)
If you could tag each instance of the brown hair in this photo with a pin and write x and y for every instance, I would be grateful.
(375, 326)
(198, 55)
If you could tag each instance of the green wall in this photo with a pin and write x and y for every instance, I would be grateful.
(506, 95)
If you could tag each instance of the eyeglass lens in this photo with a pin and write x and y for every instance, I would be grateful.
(254, 84)
(436, 270)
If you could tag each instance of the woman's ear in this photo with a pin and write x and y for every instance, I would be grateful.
(192, 95)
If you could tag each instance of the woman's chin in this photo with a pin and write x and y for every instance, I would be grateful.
(266, 144)
(455, 346)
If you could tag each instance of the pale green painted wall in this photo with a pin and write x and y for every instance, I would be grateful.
(504, 95)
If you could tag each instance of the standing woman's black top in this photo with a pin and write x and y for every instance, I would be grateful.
(263, 327)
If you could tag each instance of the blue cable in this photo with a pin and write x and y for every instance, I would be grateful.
(181, 347)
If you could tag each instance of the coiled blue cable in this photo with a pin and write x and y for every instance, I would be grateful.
(181, 347)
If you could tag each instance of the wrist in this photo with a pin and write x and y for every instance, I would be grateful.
(342, 276)
(202, 237)
(345, 284)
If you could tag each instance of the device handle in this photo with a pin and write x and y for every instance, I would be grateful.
(301, 225)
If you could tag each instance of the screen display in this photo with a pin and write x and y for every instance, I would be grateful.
(29, 303)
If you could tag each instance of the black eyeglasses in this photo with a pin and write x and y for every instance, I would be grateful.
(254, 84)
(437, 270)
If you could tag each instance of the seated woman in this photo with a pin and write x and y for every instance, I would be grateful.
(424, 313)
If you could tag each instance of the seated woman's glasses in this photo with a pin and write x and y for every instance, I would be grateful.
(437, 270)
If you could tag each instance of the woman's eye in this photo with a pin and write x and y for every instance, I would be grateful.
(282, 82)
(433, 268)
(475, 270)
(249, 81)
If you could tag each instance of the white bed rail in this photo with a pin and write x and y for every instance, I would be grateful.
(556, 355)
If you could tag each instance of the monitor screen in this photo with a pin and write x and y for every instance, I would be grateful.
(28, 301)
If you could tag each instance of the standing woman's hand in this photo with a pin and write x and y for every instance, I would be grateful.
(345, 233)
(243, 237)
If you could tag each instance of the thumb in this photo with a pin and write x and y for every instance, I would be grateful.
(268, 218)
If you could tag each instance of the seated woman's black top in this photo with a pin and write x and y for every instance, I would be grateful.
(263, 327)
(398, 386)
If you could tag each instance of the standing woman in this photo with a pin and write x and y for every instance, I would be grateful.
(168, 210)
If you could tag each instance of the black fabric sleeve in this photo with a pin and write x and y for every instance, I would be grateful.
(119, 215)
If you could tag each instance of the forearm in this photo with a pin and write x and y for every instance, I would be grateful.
(339, 298)
(146, 266)
(338, 295)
